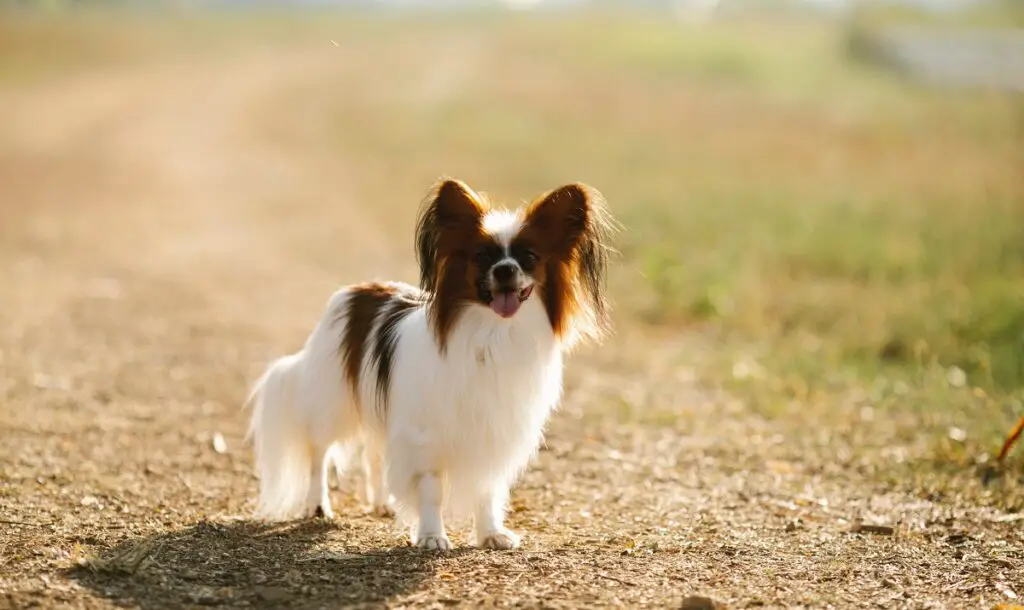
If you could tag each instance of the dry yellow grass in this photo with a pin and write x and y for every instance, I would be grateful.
(810, 247)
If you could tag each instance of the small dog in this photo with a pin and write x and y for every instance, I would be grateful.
(447, 387)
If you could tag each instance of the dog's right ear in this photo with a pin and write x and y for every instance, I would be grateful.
(449, 222)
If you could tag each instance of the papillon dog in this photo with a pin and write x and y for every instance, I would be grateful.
(446, 387)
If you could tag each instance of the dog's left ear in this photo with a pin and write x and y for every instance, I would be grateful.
(576, 228)
(450, 216)
(561, 216)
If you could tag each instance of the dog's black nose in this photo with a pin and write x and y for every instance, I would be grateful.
(503, 272)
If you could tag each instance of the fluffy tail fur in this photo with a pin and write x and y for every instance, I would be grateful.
(303, 421)
(284, 456)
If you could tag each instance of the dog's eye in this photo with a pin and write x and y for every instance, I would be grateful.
(484, 257)
(528, 259)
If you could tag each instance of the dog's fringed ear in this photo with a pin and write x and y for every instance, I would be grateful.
(561, 215)
(594, 251)
(450, 215)
(580, 227)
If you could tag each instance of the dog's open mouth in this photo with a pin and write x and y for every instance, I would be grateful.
(506, 303)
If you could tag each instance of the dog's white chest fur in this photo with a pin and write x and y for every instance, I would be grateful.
(477, 411)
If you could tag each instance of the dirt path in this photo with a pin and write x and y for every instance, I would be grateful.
(153, 260)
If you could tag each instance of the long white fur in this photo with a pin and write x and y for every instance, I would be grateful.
(460, 425)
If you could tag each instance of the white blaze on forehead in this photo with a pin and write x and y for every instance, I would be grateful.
(503, 225)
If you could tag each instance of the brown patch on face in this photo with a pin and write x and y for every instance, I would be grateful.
(565, 236)
(364, 303)
(568, 229)
(448, 235)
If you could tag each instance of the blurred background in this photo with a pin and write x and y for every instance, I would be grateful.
(819, 298)
(827, 196)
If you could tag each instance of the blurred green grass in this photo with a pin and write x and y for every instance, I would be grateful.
(776, 188)
(775, 192)
(992, 14)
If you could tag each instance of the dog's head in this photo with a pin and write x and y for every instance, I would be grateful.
(555, 249)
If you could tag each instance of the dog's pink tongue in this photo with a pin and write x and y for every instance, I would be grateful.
(505, 304)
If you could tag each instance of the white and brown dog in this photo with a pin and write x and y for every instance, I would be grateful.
(447, 387)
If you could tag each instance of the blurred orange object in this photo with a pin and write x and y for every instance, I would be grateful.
(1010, 440)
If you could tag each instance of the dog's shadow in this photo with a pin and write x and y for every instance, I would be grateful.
(252, 565)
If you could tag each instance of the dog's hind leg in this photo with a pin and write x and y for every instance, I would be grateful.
(377, 495)
(318, 499)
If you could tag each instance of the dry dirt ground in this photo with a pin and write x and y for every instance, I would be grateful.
(157, 248)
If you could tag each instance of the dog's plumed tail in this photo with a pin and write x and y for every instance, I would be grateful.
(284, 457)
(303, 421)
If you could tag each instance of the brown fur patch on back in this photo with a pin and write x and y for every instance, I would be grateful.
(368, 303)
(364, 303)
(386, 341)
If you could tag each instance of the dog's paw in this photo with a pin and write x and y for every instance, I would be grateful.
(383, 511)
(435, 542)
(320, 511)
(501, 540)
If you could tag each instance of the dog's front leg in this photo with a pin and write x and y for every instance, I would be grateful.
(430, 532)
(491, 532)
